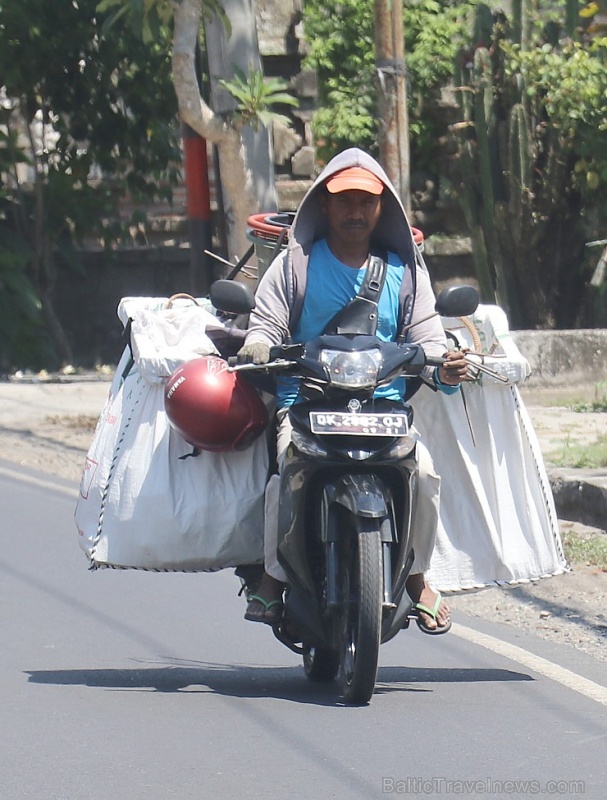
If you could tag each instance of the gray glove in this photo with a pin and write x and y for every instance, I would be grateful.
(254, 353)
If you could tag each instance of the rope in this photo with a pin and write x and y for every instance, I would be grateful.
(472, 329)
(106, 488)
(182, 296)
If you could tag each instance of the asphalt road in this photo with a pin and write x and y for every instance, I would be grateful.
(135, 686)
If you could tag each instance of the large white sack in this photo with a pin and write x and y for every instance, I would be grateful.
(147, 503)
(498, 522)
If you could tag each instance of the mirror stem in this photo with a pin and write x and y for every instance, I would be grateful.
(405, 328)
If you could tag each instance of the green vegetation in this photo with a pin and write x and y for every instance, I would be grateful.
(599, 403)
(86, 120)
(256, 96)
(530, 167)
(524, 150)
(150, 19)
(342, 51)
(586, 549)
(582, 456)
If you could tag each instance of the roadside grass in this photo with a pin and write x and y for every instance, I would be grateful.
(598, 402)
(574, 455)
(589, 549)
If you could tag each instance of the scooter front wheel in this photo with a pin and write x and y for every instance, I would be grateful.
(362, 623)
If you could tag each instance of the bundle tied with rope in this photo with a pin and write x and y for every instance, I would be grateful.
(498, 523)
(142, 503)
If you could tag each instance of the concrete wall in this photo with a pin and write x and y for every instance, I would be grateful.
(564, 358)
(87, 301)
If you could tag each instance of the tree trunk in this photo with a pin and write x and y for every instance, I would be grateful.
(42, 267)
(227, 52)
(60, 339)
(236, 179)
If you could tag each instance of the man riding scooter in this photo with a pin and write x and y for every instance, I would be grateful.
(351, 214)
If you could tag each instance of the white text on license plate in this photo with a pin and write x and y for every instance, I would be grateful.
(358, 424)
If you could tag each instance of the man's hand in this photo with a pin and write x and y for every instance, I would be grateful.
(254, 353)
(454, 370)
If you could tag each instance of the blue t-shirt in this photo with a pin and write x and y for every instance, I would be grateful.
(330, 287)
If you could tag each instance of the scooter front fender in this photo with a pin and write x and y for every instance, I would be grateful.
(363, 495)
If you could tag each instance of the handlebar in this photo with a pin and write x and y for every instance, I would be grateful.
(279, 358)
(434, 361)
(281, 363)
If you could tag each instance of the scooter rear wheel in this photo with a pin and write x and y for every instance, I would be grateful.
(321, 664)
(362, 624)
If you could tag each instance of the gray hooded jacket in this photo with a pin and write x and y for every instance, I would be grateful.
(280, 294)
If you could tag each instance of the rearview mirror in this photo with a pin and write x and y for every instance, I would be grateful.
(457, 301)
(232, 297)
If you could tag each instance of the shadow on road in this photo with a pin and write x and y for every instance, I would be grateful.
(285, 683)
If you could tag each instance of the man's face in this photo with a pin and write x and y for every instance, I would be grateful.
(352, 215)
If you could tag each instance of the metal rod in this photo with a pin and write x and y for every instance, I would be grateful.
(387, 569)
(333, 599)
(219, 258)
(488, 371)
(231, 275)
(488, 355)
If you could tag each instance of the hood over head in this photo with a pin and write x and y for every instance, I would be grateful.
(347, 170)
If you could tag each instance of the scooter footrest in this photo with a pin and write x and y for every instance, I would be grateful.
(284, 639)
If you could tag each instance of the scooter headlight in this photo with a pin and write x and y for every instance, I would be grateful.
(356, 370)
(307, 445)
(403, 446)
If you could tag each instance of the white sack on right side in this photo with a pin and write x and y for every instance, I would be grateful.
(498, 523)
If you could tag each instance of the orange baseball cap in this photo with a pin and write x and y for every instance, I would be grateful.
(354, 178)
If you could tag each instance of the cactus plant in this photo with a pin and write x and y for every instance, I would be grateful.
(518, 139)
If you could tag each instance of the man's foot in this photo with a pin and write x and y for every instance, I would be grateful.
(428, 617)
(266, 604)
(260, 610)
(433, 613)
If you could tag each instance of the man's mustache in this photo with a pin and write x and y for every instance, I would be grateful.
(355, 224)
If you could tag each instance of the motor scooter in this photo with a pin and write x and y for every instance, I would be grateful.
(348, 492)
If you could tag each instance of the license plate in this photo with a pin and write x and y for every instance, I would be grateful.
(359, 424)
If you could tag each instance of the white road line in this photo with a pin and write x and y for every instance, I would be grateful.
(538, 664)
(20, 476)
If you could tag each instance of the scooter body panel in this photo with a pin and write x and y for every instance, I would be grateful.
(315, 493)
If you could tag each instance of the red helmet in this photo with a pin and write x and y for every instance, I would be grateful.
(214, 409)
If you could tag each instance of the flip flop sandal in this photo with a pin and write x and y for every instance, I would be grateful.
(432, 612)
(271, 613)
